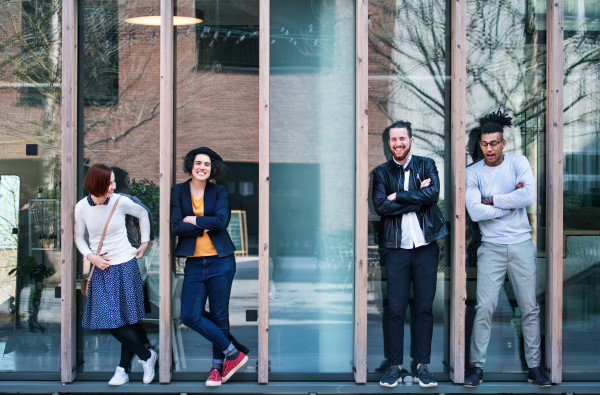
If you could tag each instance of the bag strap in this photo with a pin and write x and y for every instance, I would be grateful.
(106, 226)
(100, 244)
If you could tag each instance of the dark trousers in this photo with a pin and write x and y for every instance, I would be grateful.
(418, 265)
(208, 277)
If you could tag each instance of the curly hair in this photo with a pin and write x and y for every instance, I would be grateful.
(495, 122)
(217, 166)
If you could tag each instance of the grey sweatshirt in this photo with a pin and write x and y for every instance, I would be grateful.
(497, 223)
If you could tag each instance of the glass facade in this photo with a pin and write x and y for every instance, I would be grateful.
(118, 118)
(216, 96)
(506, 70)
(409, 80)
(312, 170)
(30, 147)
(581, 263)
(312, 156)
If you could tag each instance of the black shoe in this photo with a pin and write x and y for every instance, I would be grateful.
(537, 377)
(383, 366)
(474, 377)
(425, 377)
(391, 378)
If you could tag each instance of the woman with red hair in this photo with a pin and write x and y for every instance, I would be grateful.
(115, 297)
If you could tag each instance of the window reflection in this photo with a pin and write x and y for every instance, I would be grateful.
(408, 80)
(118, 109)
(311, 177)
(506, 56)
(217, 92)
(30, 187)
(581, 264)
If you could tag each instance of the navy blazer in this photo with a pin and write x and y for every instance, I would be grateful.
(216, 219)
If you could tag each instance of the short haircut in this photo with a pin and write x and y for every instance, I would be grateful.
(217, 166)
(97, 179)
(397, 125)
(495, 122)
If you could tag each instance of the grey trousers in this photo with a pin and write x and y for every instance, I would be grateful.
(493, 260)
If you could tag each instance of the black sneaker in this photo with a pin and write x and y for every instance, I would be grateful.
(537, 377)
(383, 366)
(474, 377)
(391, 378)
(425, 377)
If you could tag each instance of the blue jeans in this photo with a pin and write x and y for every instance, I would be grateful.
(210, 277)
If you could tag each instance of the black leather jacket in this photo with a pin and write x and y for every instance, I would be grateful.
(389, 178)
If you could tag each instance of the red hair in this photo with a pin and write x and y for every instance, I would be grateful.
(97, 179)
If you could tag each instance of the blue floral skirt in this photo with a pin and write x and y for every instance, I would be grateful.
(115, 297)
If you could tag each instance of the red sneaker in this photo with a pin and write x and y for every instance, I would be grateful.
(230, 367)
(214, 379)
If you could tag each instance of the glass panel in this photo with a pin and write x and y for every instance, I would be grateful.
(312, 151)
(30, 129)
(408, 80)
(217, 92)
(581, 264)
(119, 119)
(506, 70)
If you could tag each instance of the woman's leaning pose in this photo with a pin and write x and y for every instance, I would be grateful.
(115, 299)
(199, 216)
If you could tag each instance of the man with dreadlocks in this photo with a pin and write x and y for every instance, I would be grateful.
(499, 188)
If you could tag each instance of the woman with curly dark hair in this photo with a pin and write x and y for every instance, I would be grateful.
(199, 216)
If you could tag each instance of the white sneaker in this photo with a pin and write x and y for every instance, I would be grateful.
(149, 367)
(120, 377)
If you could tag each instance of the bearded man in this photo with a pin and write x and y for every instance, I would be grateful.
(405, 194)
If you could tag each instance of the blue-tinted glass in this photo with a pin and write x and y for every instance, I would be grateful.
(30, 193)
(312, 168)
(581, 264)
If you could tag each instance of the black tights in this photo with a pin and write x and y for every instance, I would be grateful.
(130, 337)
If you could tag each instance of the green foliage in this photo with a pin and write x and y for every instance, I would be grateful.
(37, 273)
(581, 200)
(149, 194)
(442, 241)
(28, 267)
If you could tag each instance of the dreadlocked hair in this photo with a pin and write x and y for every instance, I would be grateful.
(495, 122)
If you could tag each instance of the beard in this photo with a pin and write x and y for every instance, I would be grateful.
(406, 153)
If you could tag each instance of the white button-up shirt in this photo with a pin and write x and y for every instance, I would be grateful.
(412, 234)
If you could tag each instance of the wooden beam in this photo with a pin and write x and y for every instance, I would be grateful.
(458, 168)
(263, 191)
(554, 189)
(361, 227)
(68, 321)
(166, 182)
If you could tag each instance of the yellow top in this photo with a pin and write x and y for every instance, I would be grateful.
(204, 247)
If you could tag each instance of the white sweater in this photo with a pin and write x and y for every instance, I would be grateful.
(116, 245)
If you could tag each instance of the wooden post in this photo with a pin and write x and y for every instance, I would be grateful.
(458, 168)
(166, 182)
(554, 190)
(361, 227)
(263, 192)
(68, 321)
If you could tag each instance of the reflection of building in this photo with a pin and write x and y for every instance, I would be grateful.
(312, 166)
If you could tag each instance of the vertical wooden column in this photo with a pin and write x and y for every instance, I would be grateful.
(458, 168)
(263, 192)
(68, 321)
(554, 190)
(361, 227)
(166, 182)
